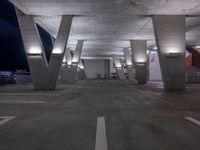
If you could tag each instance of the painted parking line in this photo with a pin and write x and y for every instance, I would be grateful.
(30, 94)
(101, 140)
(193, 120)
(4, 119)
(31, 102)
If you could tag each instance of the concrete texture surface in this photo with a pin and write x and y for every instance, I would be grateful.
(170, 39)
(137, 117)
(106, 25)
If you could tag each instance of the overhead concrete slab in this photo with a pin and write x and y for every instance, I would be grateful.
(115, 20)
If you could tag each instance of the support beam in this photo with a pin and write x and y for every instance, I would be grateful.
(81, 71)
(44, 75)
(65, 68)
(139, 52)
(129, 64)
(119, 68)
(75, 62)
(170, 37)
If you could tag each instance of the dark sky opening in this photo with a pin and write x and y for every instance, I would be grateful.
(12, 53)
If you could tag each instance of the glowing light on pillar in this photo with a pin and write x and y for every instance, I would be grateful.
(75, 59)
(173, 50)
(69, 62)
(57, 51)
(197, 46)
(128, 63)
(155, 47)
(35, 50)
(64, 60)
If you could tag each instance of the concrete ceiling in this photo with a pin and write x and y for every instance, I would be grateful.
(108, 25)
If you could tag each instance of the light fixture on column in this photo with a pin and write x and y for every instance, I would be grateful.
(34, 51)
(64, 60)
(141, 60)
(75, 59)
(172, 55)
(57, 51)
(173, 52)
(140, 63)
(155, 48)
(129, 63)
(69, 62)
(197, 46)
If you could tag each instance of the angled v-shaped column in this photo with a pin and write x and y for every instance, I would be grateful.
(44, 75)
(81, 71)
(65, 68)
(129, 64)
(170, 37)
(139, 52)
(75, 62)
(119, 68)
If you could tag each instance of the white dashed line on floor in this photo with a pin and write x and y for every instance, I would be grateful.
(101, 140)
(4, 119)
(193, 120)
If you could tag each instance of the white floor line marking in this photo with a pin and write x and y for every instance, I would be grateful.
(4, 119)
(193, 120)
(29, 94)
(32, 102)
(101, 140)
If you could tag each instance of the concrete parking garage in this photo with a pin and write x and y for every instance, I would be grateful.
(118, 75)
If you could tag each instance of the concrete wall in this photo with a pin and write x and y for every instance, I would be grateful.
(93, 67)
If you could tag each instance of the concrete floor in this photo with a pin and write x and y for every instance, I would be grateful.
(137, 117)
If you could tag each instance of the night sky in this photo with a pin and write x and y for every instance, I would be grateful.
(12, 53)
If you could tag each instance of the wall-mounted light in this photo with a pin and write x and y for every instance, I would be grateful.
(34, 51)
(140, 63)
(118, 66)
(197, 46)
(129, 64)
(57, 51)
(173, 50)
(64, 60)
(153, 52)
(75, 59)
(148, 52)
(69, 62)
(141, 60)
(155, 47)
(172, 55)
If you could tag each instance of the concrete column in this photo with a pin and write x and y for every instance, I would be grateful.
(81, 71)
(65, 68)
(170, 37)
(129, 64)
(44, 75)
(75, 62)
(119, 68)
(139, 52)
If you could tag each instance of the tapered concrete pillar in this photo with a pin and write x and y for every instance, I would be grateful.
(81, 71)
(129, 64)
(44, 75)
(65, 69)
(139, 52)
(170, 38)
(119, 68)
(75, 62)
